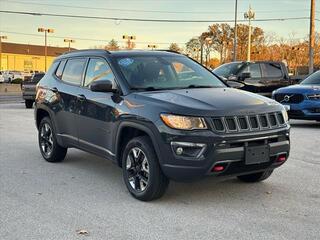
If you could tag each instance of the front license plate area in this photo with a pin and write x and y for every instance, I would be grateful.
(257, 154)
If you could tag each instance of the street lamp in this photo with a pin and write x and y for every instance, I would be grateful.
(1, 38)
(249, 15)
(45, 30)
(152, 46)
(129, 38)
(69, 41)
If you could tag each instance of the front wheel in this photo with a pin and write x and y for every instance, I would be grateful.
(256, 177)
(50, 149)
(28, 103)
(141, 170)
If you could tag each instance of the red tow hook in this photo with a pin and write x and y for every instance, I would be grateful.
(282, 158)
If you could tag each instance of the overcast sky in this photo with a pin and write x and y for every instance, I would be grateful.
(162, 34)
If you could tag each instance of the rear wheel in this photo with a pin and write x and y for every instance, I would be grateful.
(28, 103)
(256, 177)
(50, 150)
(141, 170)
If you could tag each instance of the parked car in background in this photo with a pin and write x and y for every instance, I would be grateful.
(1, 77)
(302, 100)
(260, 77)
(160, 116)
(11, 75)
(28, 88)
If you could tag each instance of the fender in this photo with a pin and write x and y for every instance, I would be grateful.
(141, 127)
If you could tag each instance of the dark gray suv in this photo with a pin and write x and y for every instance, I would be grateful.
(159, 115)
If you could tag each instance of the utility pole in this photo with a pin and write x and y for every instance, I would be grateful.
(235, 32)
(249, 15)
(1, 38)
(69, 41)
(45, 30)
(311, 35)
(129, 38)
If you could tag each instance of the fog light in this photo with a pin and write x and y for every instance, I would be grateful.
(179, 151)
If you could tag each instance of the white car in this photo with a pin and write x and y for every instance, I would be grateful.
(11, 75)
(1, 77)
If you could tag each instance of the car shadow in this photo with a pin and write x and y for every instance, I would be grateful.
(304, 124)
(203, 191)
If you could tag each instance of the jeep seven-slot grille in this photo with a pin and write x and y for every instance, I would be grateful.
(248, 123)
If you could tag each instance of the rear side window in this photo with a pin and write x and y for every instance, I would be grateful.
(60, 69)
(271, 70)
(73, 71)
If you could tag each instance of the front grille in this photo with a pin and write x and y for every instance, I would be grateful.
(289, 97)
(248, 123)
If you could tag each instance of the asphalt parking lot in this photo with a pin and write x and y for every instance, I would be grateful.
(40, 200)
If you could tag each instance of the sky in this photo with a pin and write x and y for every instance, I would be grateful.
(89, 33)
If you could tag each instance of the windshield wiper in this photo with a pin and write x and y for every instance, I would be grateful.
(145, 89)
(201, 86)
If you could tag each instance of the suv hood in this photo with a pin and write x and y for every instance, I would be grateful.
(300, 88)
(208, 101)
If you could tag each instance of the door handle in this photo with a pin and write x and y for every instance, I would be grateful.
(54, 89)
(81, 97)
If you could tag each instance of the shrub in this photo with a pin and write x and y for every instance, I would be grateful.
(17, 81)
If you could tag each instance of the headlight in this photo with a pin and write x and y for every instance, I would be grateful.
(285, 116)
(314, 96)
(183, 122)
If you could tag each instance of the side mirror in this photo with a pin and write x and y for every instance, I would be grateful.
(243, 76)
(102, 86)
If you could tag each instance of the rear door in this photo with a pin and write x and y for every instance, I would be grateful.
(273, 76)
(70, 72)
(96, 110)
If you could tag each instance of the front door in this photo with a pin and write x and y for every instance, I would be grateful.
(96, 110)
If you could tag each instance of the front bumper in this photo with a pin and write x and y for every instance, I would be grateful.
(225, 150)
(308, 110)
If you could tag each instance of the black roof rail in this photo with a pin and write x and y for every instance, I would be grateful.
(87, 50)
(168, 50)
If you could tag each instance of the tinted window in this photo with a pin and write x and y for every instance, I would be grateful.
(254, 70)
(60, 69)
(312, 79)
(98, 69)
(228, 69)
(73, 71)
(165, 72)
(271, 70)
(37, 77)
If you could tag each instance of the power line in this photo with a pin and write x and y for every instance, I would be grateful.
(144, 11)
(84, 39)
(145, 19)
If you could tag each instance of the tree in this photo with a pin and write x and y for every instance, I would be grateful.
(174, 47)
(193, 47)
(112, 45)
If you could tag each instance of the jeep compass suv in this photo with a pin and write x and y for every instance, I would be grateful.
(159, 116)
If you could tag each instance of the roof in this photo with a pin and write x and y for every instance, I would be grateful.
(121, 53)
(28, 49)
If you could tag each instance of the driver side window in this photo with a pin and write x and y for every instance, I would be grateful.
(254, 70)
(98, 69)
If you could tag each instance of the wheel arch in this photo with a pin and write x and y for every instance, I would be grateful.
(128, 131)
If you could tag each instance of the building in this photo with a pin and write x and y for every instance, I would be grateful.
(26, 57)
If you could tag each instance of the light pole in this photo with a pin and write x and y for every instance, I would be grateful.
(1, 38)
(129, 38)
(152, 46)
(312, 35)
(235, 32)
(69, 41)
(249, 15)
(45, 30)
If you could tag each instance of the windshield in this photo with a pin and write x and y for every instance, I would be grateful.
(313, 79)
(165, 72)
(228, 69)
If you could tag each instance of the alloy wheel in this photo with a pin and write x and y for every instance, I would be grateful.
(46, 139)
(137, 167)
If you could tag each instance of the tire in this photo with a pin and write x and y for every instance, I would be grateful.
(50, 150)
(28, 103)
(141, 170)
(255, 177)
